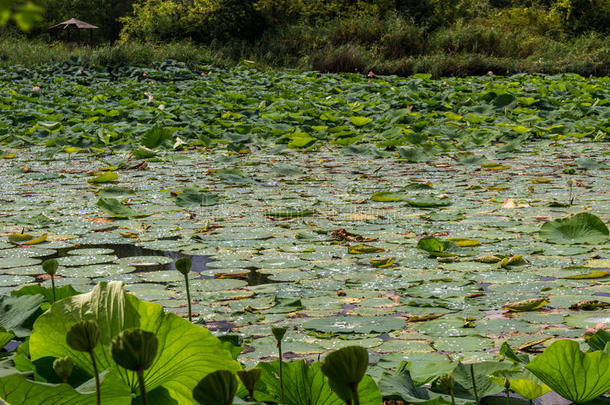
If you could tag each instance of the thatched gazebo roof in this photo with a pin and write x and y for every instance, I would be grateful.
(74, 23)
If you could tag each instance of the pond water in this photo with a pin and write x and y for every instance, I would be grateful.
(261, 239)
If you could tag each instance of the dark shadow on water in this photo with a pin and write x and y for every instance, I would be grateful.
(200, 262)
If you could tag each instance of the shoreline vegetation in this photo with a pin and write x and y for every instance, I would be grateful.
(402, 37)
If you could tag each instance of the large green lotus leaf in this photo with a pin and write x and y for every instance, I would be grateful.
(580, 228)
(157, 137)
(428, 202)
(304, 384)
(388, 196)
(523, 383)
(573, 374)
(355, 324)
(191, 197)
(233, 176)
(17, 390)
(401, 386)
(5, 337)
(464, 374)
(437, 247)
(599, 340)
(47, 293)
(17, 314)
(287, 170)
(117, 209)
(115, 192)
(186, 352)
(360, 121)
(106, 177)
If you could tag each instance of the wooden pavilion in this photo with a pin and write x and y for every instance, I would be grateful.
(79, 25)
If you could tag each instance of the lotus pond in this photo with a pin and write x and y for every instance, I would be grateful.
(402, 215)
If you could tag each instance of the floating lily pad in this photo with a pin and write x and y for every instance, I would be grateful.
(8, 262)
(580, 228)
(355, 324)
(462, 344)
(146, 260)
(85, 260)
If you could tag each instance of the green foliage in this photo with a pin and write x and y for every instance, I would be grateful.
(201, 20)
(305, 384)
(579, 16)
(573, 374)
(580, 228)
(23, 13)
(186, 351)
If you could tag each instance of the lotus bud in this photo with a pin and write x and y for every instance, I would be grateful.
(344, 369)
(278, 333)
(217, 388)
(83, 336)
(250, 379)
(443, 384)
(134, 349)
(63, 367)
(50, 266)
(183, 265)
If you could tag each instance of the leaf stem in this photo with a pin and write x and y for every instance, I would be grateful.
(279, 346)
(354, 388)
(474, 385)
(53, 287)
(142, 385)
(188, 297)
(97, 378)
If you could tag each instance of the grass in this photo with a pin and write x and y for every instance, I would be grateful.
(390, 46)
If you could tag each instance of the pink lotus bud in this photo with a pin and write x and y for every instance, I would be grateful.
(445, 83)
(490, 73)
(601, 325)
(144, 74)
(202, 73)
(409, 107)
(371, 74)
(35, 88)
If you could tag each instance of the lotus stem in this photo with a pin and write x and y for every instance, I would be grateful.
(354, 388)
(279, 347)
(53, 287)
(474, 385)
(188, 297)
(452, 395)
(97, 378)
(142, 385)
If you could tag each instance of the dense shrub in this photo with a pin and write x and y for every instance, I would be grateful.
(579, 16)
